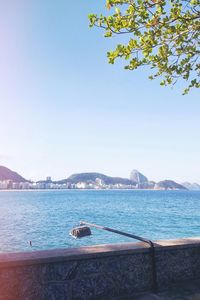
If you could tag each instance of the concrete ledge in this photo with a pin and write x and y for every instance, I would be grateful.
(98, 272)
(56, 255)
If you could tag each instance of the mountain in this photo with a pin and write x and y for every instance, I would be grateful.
(138, 177)
(191, 186)
(169, 185)
(91, 177)
(7, 174)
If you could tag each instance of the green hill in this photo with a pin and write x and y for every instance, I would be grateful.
(91, 177)
(7, 174)
(169, 185)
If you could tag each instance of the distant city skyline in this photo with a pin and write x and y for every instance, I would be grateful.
(65, 110)
(50, 178)
(10, 180)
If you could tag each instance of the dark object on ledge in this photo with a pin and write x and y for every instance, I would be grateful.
(81, 231)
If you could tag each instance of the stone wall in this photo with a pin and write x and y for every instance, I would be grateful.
(98, 272)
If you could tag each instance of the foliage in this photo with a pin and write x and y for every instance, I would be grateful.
(164, 35)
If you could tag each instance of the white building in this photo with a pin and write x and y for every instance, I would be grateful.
(4, 185)
(81, 185)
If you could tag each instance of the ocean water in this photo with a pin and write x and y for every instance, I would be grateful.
(46, 217)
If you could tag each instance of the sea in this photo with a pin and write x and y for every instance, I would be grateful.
(46, 217)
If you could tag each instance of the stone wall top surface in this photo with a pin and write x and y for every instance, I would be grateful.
(82, 253)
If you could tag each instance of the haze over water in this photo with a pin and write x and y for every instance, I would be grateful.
(46, 217)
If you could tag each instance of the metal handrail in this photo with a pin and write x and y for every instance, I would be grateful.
(149, 242)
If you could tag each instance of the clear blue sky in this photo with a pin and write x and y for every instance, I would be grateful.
(64, 109)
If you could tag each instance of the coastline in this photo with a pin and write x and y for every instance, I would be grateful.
(61, 190)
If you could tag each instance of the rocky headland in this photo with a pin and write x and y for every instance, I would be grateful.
(91, 180)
